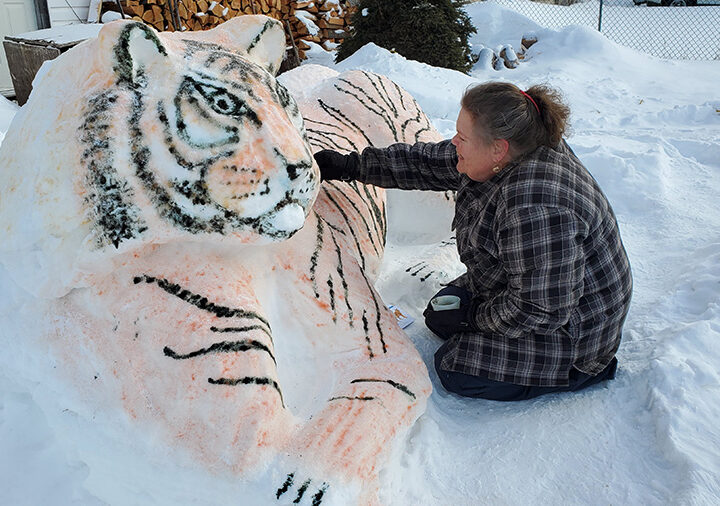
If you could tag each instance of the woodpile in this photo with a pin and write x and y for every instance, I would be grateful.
(324, 22)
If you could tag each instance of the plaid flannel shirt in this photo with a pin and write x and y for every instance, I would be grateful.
(545, 263)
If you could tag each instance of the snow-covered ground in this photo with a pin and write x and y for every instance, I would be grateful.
(649, 131)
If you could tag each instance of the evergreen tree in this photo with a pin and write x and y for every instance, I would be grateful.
(431, 31)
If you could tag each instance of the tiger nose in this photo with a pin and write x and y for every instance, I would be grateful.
(294, 169)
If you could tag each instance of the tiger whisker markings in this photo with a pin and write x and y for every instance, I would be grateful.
(198, 300)
(221, 347)
(362, 216)
(341, 273)
(248, 380)
(349, 224)
(392, 383)
(343, 119)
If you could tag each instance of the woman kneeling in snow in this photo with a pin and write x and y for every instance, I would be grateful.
(548, 282)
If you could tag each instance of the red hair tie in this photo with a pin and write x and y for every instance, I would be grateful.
(531, 100)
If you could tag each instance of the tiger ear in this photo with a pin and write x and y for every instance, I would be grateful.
(136, 49)
(260, 38)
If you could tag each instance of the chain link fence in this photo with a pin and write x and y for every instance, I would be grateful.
(672, 29)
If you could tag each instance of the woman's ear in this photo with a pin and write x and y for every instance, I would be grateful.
(500, 149)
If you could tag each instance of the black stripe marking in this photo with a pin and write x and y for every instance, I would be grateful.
(198, 300)
(327, 138)
(377, 313)
(331, 135)
(332, 125)
(426, 276)
(392, 383)
(223, 330)
(416, 265)
(343, 119)
(357, 398)
(331, 292)
(382, 94)
(424, 266)
(317, 498)
(317, 143)
(367, 333)
(341, 273)
(301, 491)
(400, 94)
(285, 486)
(349, 225)
(376, 212)
(248, 380)
(380, 112)
(359, 213)
(221, 347)
(257, 38)
(316, 254)
(110, 196)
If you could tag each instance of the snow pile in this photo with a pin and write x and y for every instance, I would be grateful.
(649, 131)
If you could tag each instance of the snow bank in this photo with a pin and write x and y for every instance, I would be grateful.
(649, 131)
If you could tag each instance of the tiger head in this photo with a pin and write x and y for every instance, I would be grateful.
(217, 145)
(138, 138)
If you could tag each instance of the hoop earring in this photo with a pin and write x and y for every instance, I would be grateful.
(496, 169)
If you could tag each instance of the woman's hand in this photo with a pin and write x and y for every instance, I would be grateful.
(334, 165)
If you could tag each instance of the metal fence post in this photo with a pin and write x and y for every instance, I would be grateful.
(600, 17)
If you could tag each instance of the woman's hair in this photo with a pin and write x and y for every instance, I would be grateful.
(502, 111)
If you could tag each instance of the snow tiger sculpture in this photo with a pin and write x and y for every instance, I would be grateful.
(159, 199)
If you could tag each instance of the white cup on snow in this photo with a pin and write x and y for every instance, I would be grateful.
(445, 303)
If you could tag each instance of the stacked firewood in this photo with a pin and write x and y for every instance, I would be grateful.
(324, 22)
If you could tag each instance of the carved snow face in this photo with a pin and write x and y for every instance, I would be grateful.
(216, 144)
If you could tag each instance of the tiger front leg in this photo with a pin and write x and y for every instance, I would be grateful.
(338, 453)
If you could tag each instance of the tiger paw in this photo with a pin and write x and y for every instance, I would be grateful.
(300, 490)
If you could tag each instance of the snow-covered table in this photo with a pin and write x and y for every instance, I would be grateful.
(26, 52)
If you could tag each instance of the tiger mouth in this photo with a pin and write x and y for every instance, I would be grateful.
(285, 219)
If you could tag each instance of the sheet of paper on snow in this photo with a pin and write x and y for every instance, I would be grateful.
(403, 319)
